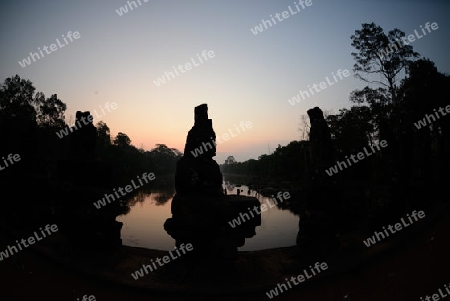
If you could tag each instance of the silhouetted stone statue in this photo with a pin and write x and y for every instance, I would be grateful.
(317, 229)
(321, 151)
(84, 136)
(84, 179)
(200, 208)
(197, 172)
(81, 165)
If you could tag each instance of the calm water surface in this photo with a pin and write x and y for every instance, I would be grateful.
(143, 226)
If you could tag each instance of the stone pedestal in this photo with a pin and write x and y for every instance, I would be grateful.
(202, 213)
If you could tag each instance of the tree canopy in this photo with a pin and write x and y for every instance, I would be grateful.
(29, 122)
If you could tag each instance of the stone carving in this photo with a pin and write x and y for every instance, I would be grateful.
(321, 151)
(84, 136)
(200, 209)
(197, 172)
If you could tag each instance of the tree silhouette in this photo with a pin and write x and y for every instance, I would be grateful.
(122, 140)
(103, 133)
(230, 160)
(18, 124)
(164, 158)
(380, 54)
(51, 111)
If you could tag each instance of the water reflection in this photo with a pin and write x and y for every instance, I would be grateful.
(143, 225)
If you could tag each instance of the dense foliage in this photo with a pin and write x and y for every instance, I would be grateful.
(402, 88)
(28, 125)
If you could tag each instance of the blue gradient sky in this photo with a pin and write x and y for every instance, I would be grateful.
(251, 77)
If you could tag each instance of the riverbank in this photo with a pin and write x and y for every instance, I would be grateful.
(252, 274)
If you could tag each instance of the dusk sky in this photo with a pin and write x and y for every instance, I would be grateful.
(248, 78)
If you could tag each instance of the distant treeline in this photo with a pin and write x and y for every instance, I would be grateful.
(29, 123)
(283, 164)
(413, 151)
